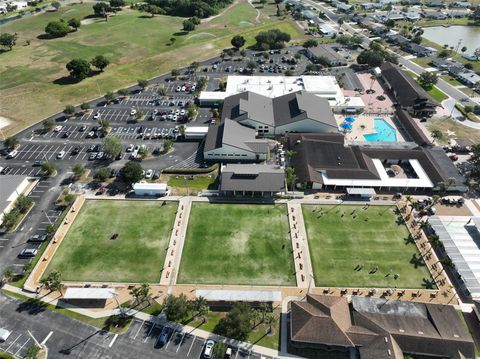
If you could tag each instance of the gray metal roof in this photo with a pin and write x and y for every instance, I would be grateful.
(251, 177)
(280, 110)
(8, 185)
(232, 133)
(461, 242)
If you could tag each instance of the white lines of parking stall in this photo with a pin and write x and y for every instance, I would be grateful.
(16, 345)
(26, 171)
(38, 152)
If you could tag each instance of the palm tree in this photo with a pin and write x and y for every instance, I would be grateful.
(445, 185)
(203, 312)
(104, 124)
(7, 276)
(271, 321)
(434, 240)
(264, 310)
(198, 303)
(256, 316)
(136, 293)
(424, 224)
(447, 262)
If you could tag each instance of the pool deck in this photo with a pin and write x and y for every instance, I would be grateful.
(357, 132)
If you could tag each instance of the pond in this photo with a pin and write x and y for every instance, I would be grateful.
(470, 36)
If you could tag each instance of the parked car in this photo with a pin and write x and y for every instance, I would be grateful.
(162, 338)
(60, 155)
(129, 148)
(133, 112)
(207, 353)
(82, 128)
(76, 150)
(4, 334)
(57, 128)
(96, 116)
(28, 253)
(93, 155)
(101, 190)
(149, 174)
(12, 154)
(100, 155)
(38, 238)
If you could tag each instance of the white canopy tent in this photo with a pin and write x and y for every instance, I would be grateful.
(89, 293)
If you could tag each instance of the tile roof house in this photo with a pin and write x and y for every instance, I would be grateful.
(407, 92)
(379, 328)
(252, 179)
(230, 141)
(299, 111)
(326, 51)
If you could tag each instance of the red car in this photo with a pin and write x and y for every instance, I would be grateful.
(101, 190)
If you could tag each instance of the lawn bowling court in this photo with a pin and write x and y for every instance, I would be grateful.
(237, 244)
(116, 241)
(363, 247)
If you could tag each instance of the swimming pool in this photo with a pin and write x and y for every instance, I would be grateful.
(384, 132)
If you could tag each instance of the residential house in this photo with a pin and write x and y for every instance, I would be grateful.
(452, 66)
(300, 111)
(398, 39)
(251, 180)
(412, 2)
(434, 14)
(341, 6)
(461, 4)
(435, 3)
(388, 2)
(459, 13)
(370, 5)
(379, 328)
(309, 14)
(420, 50)
(326, 51)
(407, 92)
(468, 78)
(326, 30)
(233, 142)
(412, 16)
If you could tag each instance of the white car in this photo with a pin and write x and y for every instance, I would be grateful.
(177, 112)
(57, 128)
(214, 66)
(149, 174)
(133, 112)
(96, 116)
(130, 148)
(207, 353)
(60, 155)
(12, 154)
(193, 88)
(155, 112)
(182, 112)
(4, 334)
(184, 88)
(179, 88)
(175, 118)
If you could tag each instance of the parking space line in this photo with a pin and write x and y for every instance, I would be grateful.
(15, 339)
(138, 331)
(191, 345)
(181, 341)
(170, 339)
(18, 351)
(149, 332)
(113, 340)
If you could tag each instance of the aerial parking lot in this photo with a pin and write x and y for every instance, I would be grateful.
(116, 241)
(355, 246)
(237, 244)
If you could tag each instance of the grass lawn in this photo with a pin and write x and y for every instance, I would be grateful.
(138, 46)
(237, 244)
(256, 336)
(88, 254)
(338, 244)
(101, 323)
(196, 182)
(458, 130)
(437, 94)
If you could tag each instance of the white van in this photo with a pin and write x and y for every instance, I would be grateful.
(60, 155)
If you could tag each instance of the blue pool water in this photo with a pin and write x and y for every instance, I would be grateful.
(384, 132)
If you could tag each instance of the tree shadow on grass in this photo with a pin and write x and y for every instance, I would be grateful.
(32, 306)
(66, 80)
(180, 33)
(417, 261)
(409, 240)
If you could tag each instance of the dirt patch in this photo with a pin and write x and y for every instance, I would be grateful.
(4, 122)
(91, 21)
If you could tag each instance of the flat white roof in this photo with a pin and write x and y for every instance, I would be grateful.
(149, 186)
(89, 293)
(461, 239)
(240, 295)
(212, 95)
(196, 129)
(356, 190)
(423, 181)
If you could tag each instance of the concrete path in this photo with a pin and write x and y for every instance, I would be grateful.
(301, 254)
(177, 239)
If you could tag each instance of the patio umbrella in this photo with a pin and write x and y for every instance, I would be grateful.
(350, 119)
(346, 126)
